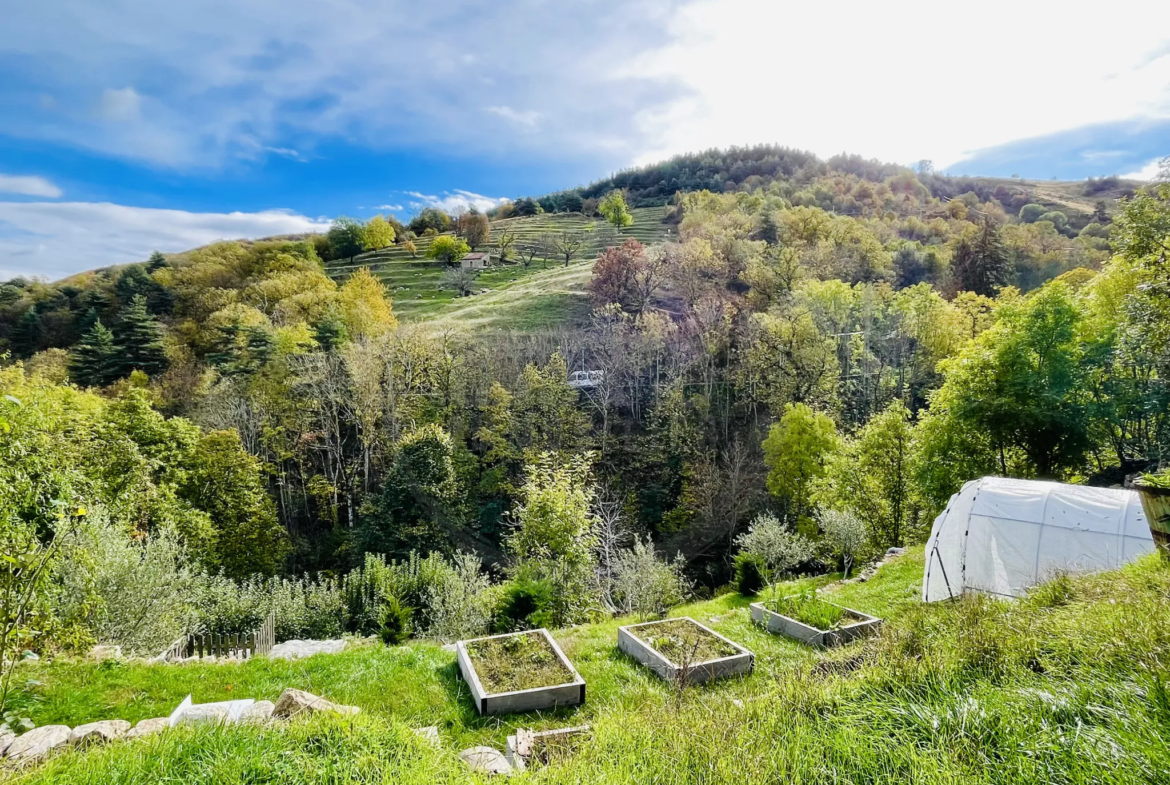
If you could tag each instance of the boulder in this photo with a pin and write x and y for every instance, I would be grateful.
(38, 743)
(485, 760)
(430, 733)
(258, 712)
(98, 732)
(293, 703)
(6, 738)
(148, 727)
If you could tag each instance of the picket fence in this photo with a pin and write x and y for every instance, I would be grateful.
(241, 647)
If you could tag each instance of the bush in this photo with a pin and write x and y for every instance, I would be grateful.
(527, 603)
(394, 622)
(646, 585)
(749, 574)
(131, 593)
(460, 607)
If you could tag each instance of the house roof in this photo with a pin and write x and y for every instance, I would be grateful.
(474, 256)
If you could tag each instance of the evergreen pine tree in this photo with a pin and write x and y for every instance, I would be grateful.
(26, 334)
(156, 262)
(139, 339)
(94, 361)
(981, 263)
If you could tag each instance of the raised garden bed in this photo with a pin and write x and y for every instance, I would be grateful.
(528, 748)
(811, 620)
(683, 651)
(520, 671)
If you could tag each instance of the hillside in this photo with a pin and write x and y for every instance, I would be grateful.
(517, 295)
(1068, 685)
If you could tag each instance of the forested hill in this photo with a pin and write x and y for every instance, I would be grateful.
(749, 168)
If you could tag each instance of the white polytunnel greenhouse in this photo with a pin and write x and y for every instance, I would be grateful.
(1001, 536)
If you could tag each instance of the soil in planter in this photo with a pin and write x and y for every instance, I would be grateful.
(682, 641)
(810, 610)
(517, 662)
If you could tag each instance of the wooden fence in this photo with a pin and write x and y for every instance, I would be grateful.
(241, 647)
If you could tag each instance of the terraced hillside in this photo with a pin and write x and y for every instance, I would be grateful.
(517, 296)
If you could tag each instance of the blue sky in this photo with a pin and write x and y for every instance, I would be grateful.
(129, 125)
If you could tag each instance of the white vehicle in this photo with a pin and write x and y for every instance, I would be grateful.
(584, 380)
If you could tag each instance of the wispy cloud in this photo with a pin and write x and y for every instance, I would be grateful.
(120, 106)
(528, 118)
(1150, 171)
(55, 239)
(394, 208)
(26, 185)
(455, 202)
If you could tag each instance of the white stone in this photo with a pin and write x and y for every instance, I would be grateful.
(98, 732)
(38, 743)
(295, 650)
(485, 760)
(148, 727)
(258, 712)
(430, 733)
(6, 738)
(219, 713)
(293, 703)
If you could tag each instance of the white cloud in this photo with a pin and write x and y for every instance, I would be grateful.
(56, 239)
(394, 208)
(28, 186)
(1150, 171)
(120, 106)
(528, 118)
(456, 202)
(899, 82)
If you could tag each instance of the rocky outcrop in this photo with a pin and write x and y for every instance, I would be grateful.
(296, 703)
(38, 743)
(98, 732)
(485, 760)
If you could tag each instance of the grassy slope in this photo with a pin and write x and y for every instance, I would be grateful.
(544, 294)
(1069, 686)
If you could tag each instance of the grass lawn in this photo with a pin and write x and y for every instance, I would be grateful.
(1062, 687)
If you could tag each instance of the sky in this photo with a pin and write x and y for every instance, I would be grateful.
(133, 125)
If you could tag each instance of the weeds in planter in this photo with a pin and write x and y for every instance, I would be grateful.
(517, 662)
(808, 609)
(681, 639)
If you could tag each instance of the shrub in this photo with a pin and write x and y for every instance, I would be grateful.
(394, 622)
(845, 533)
(527, 603)
(749, 574)
(646, 585)
(778, 549)
(460, 607)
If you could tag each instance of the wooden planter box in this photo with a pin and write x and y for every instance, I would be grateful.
(738, 664)
(789, 627)
(525, 743)
(1156, 505)
(571, 693)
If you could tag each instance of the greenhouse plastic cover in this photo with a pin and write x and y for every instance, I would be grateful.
(1001, 536)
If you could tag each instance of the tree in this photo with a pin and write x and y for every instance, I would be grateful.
(460, 278)
(139, 338)
(527, 206)
(553, 535)
(410, 248)
(27, 334)
(448, 249)
(528, 252)
(1057, 218)
(430, 219)
(474, 227)
(795, 452)
(629, 275)
(365, 308)
(1030, 213)
(981, 263)
(613, 207)
(777, 549)
(845, 533)
(505, 240)
(377, 233)
(156, 262)
(94, 361)
(346, 238)
(565, 244)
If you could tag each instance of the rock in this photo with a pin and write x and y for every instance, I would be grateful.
(430, 733)
(6, 739)
(38, 743)
(98, 732)
(29, 656)
(293, 703)
(258, 712)
(219, 713)
(148, 727)
(294, 650)
(485, 760)
(105, 653)
(895, 551)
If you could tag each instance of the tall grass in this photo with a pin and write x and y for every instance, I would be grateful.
(975, 691)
